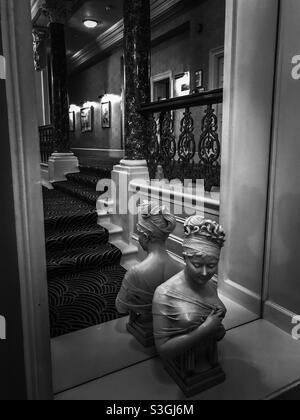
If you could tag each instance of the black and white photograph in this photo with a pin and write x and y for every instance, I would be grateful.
(150, 210)
(87, 119)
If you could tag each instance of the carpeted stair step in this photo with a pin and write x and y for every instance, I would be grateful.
(82, 192)
(70, 223)
(74, 260)
(90, 181)
(100, 173)
(84, 299)
(84, 179)
(89, 237)
(58, 204)
(84, 272)
(96, 167)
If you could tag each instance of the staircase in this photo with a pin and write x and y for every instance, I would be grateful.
(85, 254)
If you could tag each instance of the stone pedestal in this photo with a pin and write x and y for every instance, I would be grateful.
(61, 164)
(143, 335)
(196, 370)
(199, 382)
(122, 176)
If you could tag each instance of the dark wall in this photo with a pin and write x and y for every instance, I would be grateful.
(12, 375)
(190, 50)
(185, 51)
(104, 77)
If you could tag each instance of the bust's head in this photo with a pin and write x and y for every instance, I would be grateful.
(202, 248)
(155, 224)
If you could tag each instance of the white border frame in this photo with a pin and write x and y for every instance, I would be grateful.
(26, 166)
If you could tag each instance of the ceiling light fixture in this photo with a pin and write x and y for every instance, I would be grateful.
(90, 23)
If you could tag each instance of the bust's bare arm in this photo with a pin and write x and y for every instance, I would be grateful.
(122, 298)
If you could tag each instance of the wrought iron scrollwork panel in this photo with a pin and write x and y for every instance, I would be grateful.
(210, 149)
(153, 155)
(178, 158)
(186, 147)
(168, 145)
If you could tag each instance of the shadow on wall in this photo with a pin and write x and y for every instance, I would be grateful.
(249, 245)
(284, 273)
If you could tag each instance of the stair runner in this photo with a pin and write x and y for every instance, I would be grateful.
(84, 272)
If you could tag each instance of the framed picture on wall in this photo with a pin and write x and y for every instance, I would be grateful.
(72, 121)
(199, 87)
(106, 114)
(182, 84)
(87, 119)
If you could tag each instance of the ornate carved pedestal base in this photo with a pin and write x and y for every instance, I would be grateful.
(199, 382)
(144, 337)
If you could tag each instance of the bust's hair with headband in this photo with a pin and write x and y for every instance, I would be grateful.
(203, 235)
(155, 220)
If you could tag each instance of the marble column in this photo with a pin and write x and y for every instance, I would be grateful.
(63, 160)
(39, 36)
(137, 50)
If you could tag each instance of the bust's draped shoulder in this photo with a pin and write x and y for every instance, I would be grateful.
(182, 312)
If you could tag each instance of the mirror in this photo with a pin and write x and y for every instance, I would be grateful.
(196, 134)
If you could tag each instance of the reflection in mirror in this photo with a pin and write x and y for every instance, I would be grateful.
(136, 294)
(104, 267)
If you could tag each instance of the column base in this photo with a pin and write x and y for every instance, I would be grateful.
(122, 175)
(61, 164)
(197, 383)
(132, 169)
(133, 163)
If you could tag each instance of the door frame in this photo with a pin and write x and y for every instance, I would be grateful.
(249, 74)
(25, 159)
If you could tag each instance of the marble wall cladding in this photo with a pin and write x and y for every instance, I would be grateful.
(60, 107)
(189, 51)
(137, 47)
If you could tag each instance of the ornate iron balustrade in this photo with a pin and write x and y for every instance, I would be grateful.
(184, 156)
(47, 145)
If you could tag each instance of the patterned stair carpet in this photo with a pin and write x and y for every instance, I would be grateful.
(84, 272)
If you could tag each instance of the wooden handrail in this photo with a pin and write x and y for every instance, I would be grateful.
(209, 97)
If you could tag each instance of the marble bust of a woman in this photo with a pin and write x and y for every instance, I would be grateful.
(188, 314)
(155, 225)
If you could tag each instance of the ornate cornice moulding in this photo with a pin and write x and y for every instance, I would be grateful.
(160, 10)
